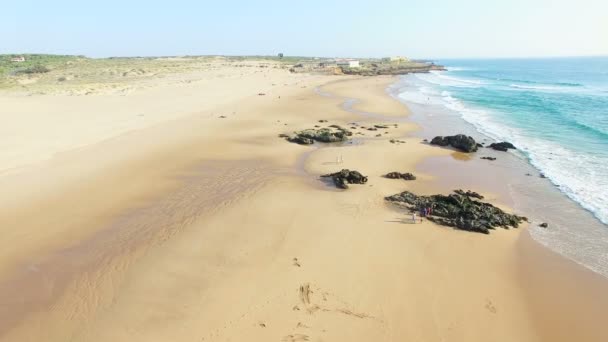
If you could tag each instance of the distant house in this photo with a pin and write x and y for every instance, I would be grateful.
(18, 59)
(350, 63)
(328, 64)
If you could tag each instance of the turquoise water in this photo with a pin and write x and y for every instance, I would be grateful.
(555, 111)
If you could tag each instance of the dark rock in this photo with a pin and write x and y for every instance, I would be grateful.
(544, 225)
(261, 94)
(399, 175)
(488, 158)
(378, 135)
(300, 140)
(425, 140)
(325, 135)
(459, 141)
(459, 210)
(542, 175)
(343, 178)
(501, 146)
(222, 116)
(381, 126)
(372, 129)
(322, 121)
(468, 193)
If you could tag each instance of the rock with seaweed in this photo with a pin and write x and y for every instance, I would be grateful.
(399, 175)
(460, 210)
(502, 146)
(344, 177)
(460, 142)
(331, 134)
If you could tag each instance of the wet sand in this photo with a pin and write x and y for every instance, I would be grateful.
(202, 228)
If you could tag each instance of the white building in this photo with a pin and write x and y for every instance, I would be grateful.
(351, 63)
(398, 59)
(18, 59)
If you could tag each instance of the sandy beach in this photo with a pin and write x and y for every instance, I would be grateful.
(174, 212)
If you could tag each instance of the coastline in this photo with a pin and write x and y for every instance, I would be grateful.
(461, 101)
(545, 274)
(274, 258)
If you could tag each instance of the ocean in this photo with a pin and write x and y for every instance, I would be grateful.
(555, 111)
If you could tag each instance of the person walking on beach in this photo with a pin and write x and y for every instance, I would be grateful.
(414, 217)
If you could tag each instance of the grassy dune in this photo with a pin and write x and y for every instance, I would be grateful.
(80, 75)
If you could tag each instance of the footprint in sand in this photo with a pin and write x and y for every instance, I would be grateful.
(301, 325)
(296, 338)
(330, 304)
(490, 307)
(305, 293)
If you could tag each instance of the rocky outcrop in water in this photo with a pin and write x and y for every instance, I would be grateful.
(343, 178)
(325, 135)
(459, 210)
(461, 142)
(391, 69)
(502, 146)
(399, 175)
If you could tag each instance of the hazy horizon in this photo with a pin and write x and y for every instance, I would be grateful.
(441, 30)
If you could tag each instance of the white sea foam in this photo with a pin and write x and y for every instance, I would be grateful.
(583, 177)
(457, 68)
(579, 176)
(435, 77)
(530, 87)
(422, 95)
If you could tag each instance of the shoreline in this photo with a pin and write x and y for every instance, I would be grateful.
(556, 207)
(278, 259)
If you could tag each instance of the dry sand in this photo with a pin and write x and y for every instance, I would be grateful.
(192, 227)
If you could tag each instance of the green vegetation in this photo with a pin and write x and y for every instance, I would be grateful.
(36, 69)
(40, 73)
(33, 63)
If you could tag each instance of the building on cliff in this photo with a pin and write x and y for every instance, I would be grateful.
(350, 63)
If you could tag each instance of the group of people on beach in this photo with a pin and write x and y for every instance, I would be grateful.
(424, 212)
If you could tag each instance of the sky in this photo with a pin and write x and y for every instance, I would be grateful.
(419, 29)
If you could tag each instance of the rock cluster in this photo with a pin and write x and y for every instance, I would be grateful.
(399, 175)
(468, 193)
(343, 178)
(460, 141)
(459, 210)
(325, 135)
(502, 146)
(488, 158)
